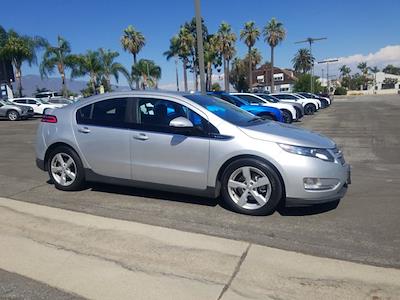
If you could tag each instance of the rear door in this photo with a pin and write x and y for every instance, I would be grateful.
(102, 134)
(163, 155)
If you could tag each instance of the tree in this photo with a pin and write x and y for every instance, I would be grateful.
(89, 64)
(390, 69)
(255, 57)
(250, 34)
(364, 71)
(344, 71)
(212, 58)
(389, 83)
(303, 61)
(225, 43)
(111, 68)
(147, 72)
(374, 70)
(58, 56)
(19, 49)
(274, 33)
(173, 51)
(303, 84)
(215, 87)
(133, 41)
(238, 75)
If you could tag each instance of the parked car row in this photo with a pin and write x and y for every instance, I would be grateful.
(192, 143)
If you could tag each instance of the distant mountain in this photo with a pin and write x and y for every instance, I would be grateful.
(31, 82)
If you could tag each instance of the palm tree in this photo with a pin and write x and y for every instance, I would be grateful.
(255, 57)
(212, 58)
(18, 49)
(173, 52)
(226, 45)
(146, 71)
(110, 67)
(186, 44)
(89, 64)
(274, 33)
(133, 41)
(374, 70)
(344, 71)
(303, 61)
(58, 56)
(362, 66)
(250, 34)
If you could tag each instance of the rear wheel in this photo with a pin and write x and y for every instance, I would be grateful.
(13, 115)
(65, 169)
(252, 187)
(287, 116)
(309, 109)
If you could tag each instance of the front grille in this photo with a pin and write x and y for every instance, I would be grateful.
(339, 156)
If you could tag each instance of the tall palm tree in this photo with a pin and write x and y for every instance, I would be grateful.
(344, 71)
(18, 49)
(133, 41)
(186, 44)
(255, 57)
(110, 67)
(362, 66)
(226, 45)
(147, 72)
(58, 56)
(212, 57)
(89, 64)
(173, 52)
(250, 34)
(274, 33)
(374, 70)
(303, 61)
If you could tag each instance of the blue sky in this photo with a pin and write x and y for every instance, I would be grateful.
(355, 29)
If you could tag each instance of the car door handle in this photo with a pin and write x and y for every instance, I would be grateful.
(84, 129)
(141, 137)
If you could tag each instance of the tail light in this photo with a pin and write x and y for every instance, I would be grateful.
(49, 119)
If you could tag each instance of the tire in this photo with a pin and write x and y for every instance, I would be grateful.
(61, 174)
(287, 116)
(267, 117)
(13, 115)
(44, 111)
(309, 109)
(234, 185)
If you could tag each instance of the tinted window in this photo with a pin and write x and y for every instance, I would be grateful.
(251, 99)
(20, 101)
(224, 110)
(286, 96)
(269, 98)
(156, 114)
(110, 113)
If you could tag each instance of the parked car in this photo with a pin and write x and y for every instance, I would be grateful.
(61, 101)
(297, 106)
(14, 112)
(40, 106)
(47, 95)
(325, 102)
(288, 111)
(264, 112)
(310, 105)
(189, 143)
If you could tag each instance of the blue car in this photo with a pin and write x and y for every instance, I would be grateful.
(265, 112)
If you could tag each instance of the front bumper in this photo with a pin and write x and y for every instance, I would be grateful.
(292, 202)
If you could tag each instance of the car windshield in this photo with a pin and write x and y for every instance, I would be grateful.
(6, 102)
(225, 110)
(43, 101)
(269, 98)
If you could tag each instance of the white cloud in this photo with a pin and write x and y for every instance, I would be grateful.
(384, 56)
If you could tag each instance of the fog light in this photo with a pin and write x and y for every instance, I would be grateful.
(320, 183)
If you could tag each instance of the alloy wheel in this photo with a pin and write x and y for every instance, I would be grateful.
(63, 169)
(249, 187)
(12, 115)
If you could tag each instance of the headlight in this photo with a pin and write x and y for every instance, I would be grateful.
(306, 151)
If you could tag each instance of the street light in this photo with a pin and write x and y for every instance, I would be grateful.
(200, 48)
(311, 41)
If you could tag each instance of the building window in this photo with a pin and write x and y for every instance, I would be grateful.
(278, 77)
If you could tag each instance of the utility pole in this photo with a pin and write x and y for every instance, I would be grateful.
(310, 41)
(327, 61)
(200, 48)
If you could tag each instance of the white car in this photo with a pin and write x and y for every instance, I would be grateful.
(310, 105)
(308, 97)
(39, 105)
(288, 111)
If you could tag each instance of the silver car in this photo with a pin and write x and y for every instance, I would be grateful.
(14, 112)
(192, 144)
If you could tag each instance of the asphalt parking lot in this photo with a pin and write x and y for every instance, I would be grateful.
(363, 227)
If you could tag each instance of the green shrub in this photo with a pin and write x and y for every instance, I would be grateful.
(340, 91)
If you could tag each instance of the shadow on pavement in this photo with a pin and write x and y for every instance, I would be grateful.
(308, 210)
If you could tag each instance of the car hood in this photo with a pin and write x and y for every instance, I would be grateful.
(287, 134)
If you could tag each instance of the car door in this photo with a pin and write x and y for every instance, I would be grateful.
(163, 155)
(36, 105)
(102, 135)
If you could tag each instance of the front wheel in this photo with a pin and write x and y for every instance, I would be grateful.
(13, 115)
(287, 116)
(252, 187)
(310, 109)
(65, 169)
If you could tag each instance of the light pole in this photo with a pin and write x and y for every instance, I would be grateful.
(327, 61)
(200, 48)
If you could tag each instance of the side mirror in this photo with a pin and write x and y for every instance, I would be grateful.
(38, 104)
(181, 122)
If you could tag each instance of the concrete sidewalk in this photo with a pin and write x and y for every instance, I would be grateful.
(102, 258)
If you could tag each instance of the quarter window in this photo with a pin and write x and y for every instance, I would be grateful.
(32, 102)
